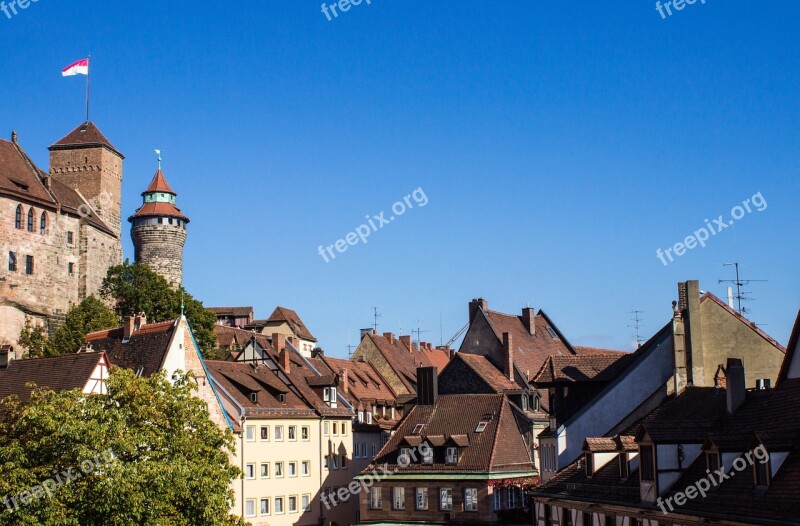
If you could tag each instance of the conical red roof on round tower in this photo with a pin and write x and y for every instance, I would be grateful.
(159, 184)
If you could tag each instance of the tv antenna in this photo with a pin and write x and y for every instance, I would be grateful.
(375, 316)
(739, 283)
(418, 331)
(350, 347)
(636, 326)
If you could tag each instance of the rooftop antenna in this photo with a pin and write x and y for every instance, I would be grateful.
(739, 283)
(418, 331)
(637, 324)
(441, 329)
(350, 347)
(375, 316)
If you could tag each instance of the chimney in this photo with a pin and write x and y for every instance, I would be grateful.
(475, 305)
(508, 356)
(14, 137)
(528, 316)
(290, 339)
(286, 362)
(680, 375)
(406, 340)
(364, 332)
(278, 342)
(46, 181)
(127, 327)
(736, 390)
(140, 321)
(427, 385)
(389, 336)
(344, 382)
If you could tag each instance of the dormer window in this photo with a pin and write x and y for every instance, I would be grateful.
(282, 398)
(712, 460)
(427, 455)
(762, 473)
(361, 417)
(624, 468)
(451, 455)
(254, 397)
(647, 463)
(589, 464)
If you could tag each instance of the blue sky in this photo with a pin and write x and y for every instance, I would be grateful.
(559, 145)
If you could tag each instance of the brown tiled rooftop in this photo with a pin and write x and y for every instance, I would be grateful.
(60, 373)
(144, 353)
(283, 314)
(159, 184)
(86, 134)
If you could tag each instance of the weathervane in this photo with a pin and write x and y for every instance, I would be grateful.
(158, 153)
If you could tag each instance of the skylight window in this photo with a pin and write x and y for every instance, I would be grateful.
(481, 426)
(418, 429)
(552, 332)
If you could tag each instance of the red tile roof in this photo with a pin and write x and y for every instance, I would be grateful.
(61, 373)
(159, 210)
(159, 184)
(143, 353)
(283, 314)
(405, 361)
(488, 372)
(365, 383)
(231, 311)
(594, 368)
(86, 134)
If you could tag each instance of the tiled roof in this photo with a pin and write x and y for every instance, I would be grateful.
(365, 383)
(145, 351)
(159, 210)
(159, 184)
(61, 373)
(592, 351)
(593, 367)
(530, 350)
(86, 134)
(282, 314)
(498, 448)
(405, 361)
(686, 418)
(229, 336)
(488, 372)
(600, 445)
(231, 311)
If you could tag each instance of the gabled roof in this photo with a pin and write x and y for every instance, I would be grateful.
(404, 360)
(792, 351)
(144, 353)
(488, 372)
(159, 184)
(498, 448)
(584, 368)
(686, 418)
(231, 311)
(752, 326)
(230, 336)
(283, 314)
(365, 383)
(86, 134)
(60, 373)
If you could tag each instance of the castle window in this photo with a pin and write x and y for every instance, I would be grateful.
(71, 269)
(69, 237)
(43, 223)
(30, 220)
(160, 220)
(12, 262)
(29, 265)
(18, 218)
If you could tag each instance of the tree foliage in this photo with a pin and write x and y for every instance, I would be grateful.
(145, 453)
(34, 339)
(135, 288)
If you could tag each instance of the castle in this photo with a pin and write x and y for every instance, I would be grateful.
(61, 230)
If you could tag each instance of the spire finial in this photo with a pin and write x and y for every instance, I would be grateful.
(158, 154)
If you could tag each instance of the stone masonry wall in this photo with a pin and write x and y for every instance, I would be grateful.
(160, 247)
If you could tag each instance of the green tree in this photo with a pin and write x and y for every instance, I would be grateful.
(34, 339)
(88, 316)
(135, 288)
(145, 453)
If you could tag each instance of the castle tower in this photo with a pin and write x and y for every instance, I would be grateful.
(86, 161)
(159, 231)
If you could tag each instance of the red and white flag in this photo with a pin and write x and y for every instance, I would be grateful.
(80, 67)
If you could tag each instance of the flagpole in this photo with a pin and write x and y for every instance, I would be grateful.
(88, 76)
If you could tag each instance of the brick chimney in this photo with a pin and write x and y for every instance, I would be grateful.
(475, 305)
(343, 381)
(508, 356)
(528, 317)
(736, 388)
(406, 340)
(279, 344)
(389, 336)
(427, 385)
(127, 327)
(140, 321)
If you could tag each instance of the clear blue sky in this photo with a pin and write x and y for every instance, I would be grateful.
(559, 144)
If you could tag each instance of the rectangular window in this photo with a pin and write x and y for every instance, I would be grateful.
(305, 502)
(446, 499)
(12, 262)
(326, 394)
(647, 463)
(471, 499)
(334, 461)
(344, 429)
(264, 433)
(305, 433)
(398, 498)
(344, 461)
(762, 474)
(69, 237)
(292, 469)
(251, 433)
(70, 269)
(374, 450)
(279, 469)
(306, 468)
(375, 502)
(250, 508)
(292, 432)
(511, 498)
(422, 498)
(327, 462)
(587, 519)
(250, 471)
(496, 500)
(335, 429)
(265, 470)
(29, 265)
(361, 417)
(278, 433)
(451, 455)
(293, 504)
(427, 455)
(712, 461)
(278, 505)
(325, 428)
(264, 506)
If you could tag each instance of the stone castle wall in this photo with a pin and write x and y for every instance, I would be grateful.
(160, 247)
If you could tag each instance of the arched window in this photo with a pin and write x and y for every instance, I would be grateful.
(30, 220)
(18, 217)
(43, 223)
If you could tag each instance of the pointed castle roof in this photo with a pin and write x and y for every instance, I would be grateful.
(159, 184)
(159, 208)
(85, 135)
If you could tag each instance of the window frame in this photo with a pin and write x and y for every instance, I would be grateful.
(278, 434)
(18, 218)
(247, 504)
(250, 434)
(647, 470)
(279, 471)
(250, 471)
(375, 504)
(262, 501)
(305, 468)
(12, 261)
(292, 468)
(279, 503)
(31, 220)
(264, 436)
(473, 498)
(421, 492)
(265, 465)
(446, 503)
(398, 504)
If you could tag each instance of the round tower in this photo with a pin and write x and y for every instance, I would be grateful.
(159, 231)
